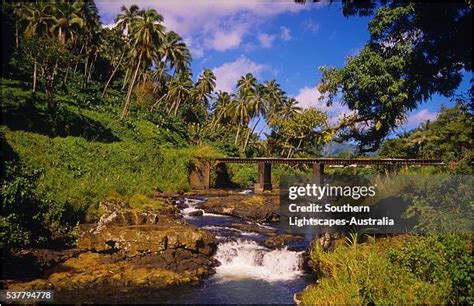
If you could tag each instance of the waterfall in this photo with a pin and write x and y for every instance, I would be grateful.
(242, 259)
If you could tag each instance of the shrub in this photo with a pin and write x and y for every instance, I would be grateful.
(30, 216)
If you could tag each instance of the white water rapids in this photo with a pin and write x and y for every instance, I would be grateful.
(246, 259)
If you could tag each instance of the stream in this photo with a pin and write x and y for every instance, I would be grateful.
(248, 271)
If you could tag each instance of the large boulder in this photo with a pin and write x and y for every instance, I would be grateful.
(256, 208)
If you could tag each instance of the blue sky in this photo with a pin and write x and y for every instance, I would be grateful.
(272, 39)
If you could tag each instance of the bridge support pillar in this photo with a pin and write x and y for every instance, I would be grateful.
(318, 171)
(200, 177)
(264, 178)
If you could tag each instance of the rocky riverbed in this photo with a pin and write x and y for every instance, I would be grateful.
(126, 248)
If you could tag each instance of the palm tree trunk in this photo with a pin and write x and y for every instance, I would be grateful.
(66, 75)
(112, 75)
(91, 68)
(177, 105)
(130, 89)
(35, 70)
(299, 144)
(237, 135)
(80, 52)
(125, 78)
(250, 133)
(86, 65)
(16, 34)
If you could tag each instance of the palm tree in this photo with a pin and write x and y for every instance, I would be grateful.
(91, 32)
(126, 18)
(205, 86)
(173, 51)
(67, 21)
(38, 18)
(38, 21)
(241, 107)
(247, 85)
(115, 48)
(275, 97)
(146, 32)
(220, 109)
(180, 89)
(289, 109)
(257, 109)
(239, 113)
(123, 22)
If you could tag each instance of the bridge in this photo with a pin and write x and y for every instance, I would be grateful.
(200, 178)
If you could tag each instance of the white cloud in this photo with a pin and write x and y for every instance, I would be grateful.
(228, 73)
(311, 25)
(207, 22)
(285, 34)
(423, 115)
(222, 41)
(266, 40)
(311, 97)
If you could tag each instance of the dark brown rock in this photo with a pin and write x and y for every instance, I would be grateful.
(279, 241)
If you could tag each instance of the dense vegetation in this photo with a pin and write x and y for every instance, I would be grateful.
(432, 269)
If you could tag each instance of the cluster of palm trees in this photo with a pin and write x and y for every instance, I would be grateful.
(73, 26)
(139, 48)
(254, 101)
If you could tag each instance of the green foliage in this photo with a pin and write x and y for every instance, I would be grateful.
(441, 203)
(245, 175)
(440, 259)
(420, 270)
(31, 217)
(401, 65)
(448, 137)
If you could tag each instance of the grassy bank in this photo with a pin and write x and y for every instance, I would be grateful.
(434, 269)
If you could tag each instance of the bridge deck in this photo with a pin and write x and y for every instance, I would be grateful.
(330, 161)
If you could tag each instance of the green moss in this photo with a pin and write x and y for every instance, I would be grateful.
(256, 200)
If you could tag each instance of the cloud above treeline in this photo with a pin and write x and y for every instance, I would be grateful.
(229, 73)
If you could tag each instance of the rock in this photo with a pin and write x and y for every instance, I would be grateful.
(88, 271)
(181, 205)
(196, 213)
(257, 208)
(127, 248)
(279, 241)
(136, 240)
(255, 228)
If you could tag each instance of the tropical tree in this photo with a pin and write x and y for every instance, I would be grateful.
(37, 20)
(204, 87)
(289, 109)
(115, 49)
(220, 108)
(409, 57)
(174, 52)
(258, 105)
(146, 32)
(180, 89)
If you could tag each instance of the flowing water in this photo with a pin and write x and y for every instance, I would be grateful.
(248, 271)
